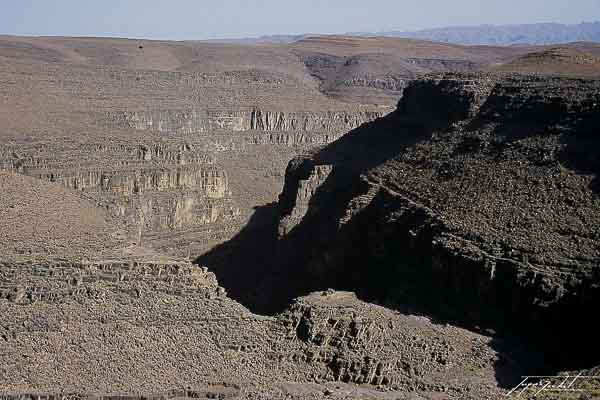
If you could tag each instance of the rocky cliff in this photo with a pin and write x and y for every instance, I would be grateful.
(477, 200)
(199, 121)
(87, 315)
(154, 187)
(374, 76)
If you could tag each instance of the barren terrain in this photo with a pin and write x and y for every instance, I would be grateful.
(173, 214)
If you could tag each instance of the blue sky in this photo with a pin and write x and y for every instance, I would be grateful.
(201, 19)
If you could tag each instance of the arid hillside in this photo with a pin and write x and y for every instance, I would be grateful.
(190, 219)
(180, 140)
(39, 219)
(558, 61)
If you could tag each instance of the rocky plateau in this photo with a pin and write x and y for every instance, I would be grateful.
(331, 218)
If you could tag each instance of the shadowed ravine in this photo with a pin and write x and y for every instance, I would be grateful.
(377, 220)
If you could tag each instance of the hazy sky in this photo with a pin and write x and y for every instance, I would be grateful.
(201, 19)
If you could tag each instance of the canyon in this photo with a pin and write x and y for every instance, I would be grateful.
(336, 217)
(478, 194)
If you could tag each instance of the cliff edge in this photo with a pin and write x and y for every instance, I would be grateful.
(476, 200)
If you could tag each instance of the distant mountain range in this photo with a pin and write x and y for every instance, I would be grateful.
(496, 35)
(506, 35)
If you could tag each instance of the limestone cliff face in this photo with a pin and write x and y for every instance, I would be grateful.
(182, 122)
(167, 182)
(190, 122)
(331, 121)
(293, 139)
(476, 199)
(208, 179)
(154, 187)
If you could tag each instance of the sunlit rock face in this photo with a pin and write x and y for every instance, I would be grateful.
(195, 121)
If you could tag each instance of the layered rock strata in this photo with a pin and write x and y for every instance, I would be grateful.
(153, 188)
(477, 200)
(197, 121)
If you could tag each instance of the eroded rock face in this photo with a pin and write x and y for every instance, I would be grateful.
(197, 121)
(155, 187)
(328, 122)
(362, 343)
(476, 198)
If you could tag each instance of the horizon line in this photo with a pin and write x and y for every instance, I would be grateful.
(303, 34)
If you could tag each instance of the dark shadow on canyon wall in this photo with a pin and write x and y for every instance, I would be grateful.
(245, 265)
(265, 273)
(391, 261)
